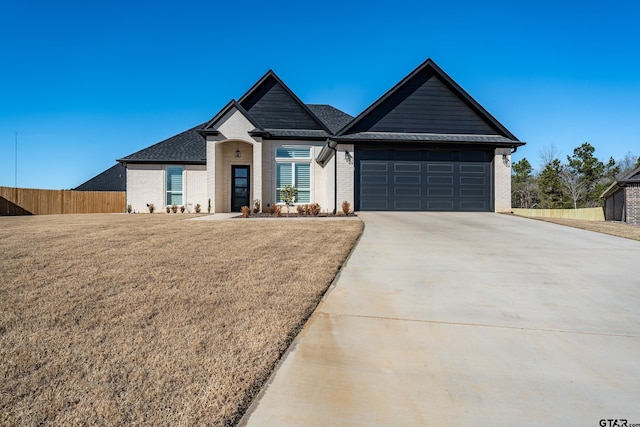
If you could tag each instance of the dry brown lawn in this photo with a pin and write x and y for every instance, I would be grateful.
(153, 319)
(619, 229)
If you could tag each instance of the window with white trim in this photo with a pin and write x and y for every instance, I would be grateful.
(174, 185)
(293, 167)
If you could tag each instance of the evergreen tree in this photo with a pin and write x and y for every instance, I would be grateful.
(594, 175)
(550, 186)
(522, 170)
(524, 192)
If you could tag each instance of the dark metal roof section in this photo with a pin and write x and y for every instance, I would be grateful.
(333, 118)
(274, 106)
(427, 101)
(113, 179)
(188, 147)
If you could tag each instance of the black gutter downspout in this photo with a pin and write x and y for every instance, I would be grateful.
(335, 177)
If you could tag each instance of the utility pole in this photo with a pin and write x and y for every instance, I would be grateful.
(16, 165)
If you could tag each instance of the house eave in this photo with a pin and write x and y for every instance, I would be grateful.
(163, 162)
(260, 134)
(429, 142)
(208, 132)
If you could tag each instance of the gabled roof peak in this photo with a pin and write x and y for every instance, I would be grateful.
(209, 127)
(632, 174)
(428, 101)
(274, 106)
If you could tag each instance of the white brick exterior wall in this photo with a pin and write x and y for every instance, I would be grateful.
(318, 175)
(502, 180)
(346, 172)
(146, 184)
(234, 130)
(195, 187)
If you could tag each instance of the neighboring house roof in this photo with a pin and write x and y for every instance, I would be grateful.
(333, 118)
(188, 147)
(426, 102)
(632, 177)
(113, 179)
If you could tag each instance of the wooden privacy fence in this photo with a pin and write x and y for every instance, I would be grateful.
(26, 201)
(587, 214)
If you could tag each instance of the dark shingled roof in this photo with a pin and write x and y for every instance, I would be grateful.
(113, 179)
(188, 147)
(332, 118)
(632, 177)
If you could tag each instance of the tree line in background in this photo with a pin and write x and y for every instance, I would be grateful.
(578, 183)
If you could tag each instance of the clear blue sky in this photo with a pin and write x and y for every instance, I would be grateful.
(86, 82)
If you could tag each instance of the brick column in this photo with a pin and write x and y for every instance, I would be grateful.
(211, 174)
(346, 167)
(257, 171)
(632, 203)
(502, 180)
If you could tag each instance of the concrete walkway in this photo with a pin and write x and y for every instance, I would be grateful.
(216, 217)
(468, 319)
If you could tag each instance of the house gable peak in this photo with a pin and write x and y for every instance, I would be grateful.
(274, 106)
(427, 101)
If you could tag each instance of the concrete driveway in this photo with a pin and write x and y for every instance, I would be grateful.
(468, 319)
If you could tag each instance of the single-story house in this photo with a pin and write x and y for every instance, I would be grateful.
(426, 144)
(622, 199)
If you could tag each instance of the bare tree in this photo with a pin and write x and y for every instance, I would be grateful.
(627, 164)
(548, 154)
(574, 184)
(525, 194)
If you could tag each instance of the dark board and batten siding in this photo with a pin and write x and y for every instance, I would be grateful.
(424, 180)
(273, 107)
(424, 105)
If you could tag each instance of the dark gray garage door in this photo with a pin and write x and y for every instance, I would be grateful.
(423, 180)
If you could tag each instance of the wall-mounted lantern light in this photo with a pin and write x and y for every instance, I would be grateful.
(348, 157)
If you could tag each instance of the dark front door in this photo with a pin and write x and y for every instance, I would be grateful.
(240, 187)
